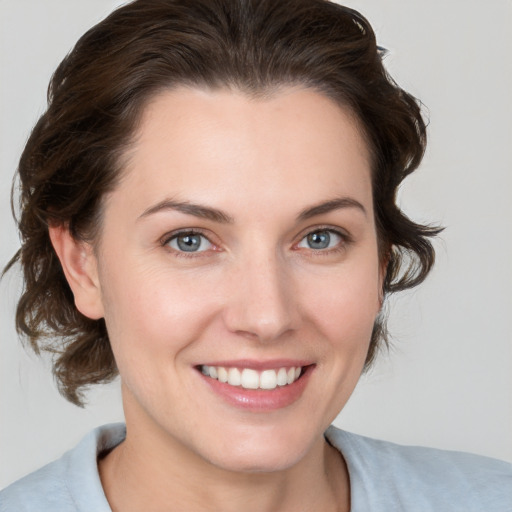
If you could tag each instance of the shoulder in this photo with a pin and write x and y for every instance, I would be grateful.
(388, 476)
(71, 483)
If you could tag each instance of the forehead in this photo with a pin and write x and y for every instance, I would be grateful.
(295, 144)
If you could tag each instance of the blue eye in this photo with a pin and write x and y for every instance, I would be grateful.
(189, 242)
(321, 240)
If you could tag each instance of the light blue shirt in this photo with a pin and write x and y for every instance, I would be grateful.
(384, 477)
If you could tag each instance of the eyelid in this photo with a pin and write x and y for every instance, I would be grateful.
(168, 237)
(165, 239)
(325, 227)
(346, 238)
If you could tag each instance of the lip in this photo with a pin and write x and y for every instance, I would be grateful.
(260, 400)
(259, 365)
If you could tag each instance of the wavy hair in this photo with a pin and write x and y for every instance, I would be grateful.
(95, 99)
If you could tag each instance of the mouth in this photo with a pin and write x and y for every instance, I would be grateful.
(250, 378)
(257, 386)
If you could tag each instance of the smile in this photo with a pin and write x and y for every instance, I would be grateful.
(249, 378)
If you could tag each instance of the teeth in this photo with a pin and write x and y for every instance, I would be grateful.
(222, 374)
(252, 379)
(268, 379)
(282, 377)
(234, 377)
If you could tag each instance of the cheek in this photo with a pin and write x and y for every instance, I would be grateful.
(344, 304)
(152, 315)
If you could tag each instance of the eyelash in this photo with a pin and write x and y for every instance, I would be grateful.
(345, 240)
(167, 239)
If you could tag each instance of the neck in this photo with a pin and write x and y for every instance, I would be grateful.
(172, 478)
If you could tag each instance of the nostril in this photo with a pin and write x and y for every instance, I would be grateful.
(260, 305)
(265, 334)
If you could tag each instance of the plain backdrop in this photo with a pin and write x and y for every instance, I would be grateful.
(447, 380)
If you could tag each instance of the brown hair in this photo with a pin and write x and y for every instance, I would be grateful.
(95, 99)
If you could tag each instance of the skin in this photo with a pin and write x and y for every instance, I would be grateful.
(256, 290)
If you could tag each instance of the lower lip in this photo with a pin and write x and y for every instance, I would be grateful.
(260, 400)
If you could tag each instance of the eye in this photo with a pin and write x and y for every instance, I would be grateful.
(321, 240)
(189, 242)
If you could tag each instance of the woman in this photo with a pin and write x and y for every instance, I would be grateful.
(208, 208)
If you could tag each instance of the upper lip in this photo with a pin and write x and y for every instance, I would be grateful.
(259, 365)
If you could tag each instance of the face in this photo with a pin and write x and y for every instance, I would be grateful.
(238, 273)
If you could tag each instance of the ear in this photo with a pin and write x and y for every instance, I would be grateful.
(80, 267)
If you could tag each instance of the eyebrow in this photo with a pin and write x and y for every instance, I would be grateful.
(331, 205)
(203, 212)
(216, 215)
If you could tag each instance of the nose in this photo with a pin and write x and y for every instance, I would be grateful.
(261, 303)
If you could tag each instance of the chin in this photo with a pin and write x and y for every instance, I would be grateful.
(257, 461)
(261, 452)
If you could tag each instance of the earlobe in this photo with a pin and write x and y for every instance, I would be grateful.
(79, 264)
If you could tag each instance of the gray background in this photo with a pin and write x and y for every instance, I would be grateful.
(447, 381)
